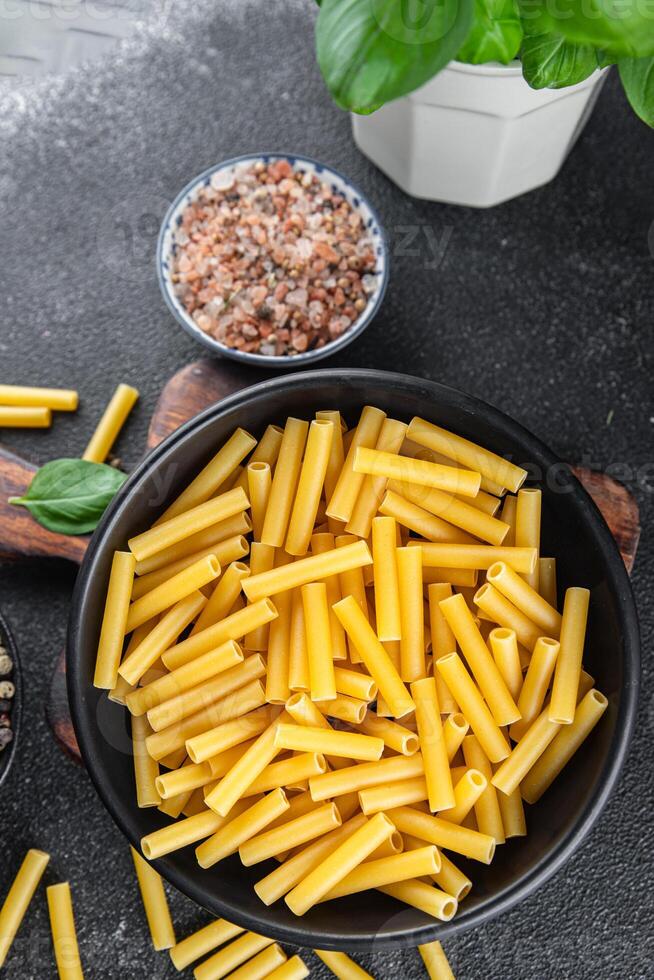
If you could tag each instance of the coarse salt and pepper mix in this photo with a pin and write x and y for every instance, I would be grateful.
(271, 260)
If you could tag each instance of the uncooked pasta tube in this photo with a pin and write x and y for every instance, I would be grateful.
(416, 471)
(224, 551)
(177, 528)
(418, 519)
(212, 536)
(146, 769)
(537, 681)
(259, 482)
(261, 966)
(422, 896)
(454, 510)
(228, 735)
(478, 556)
(349, 745)
(188, 777)
(467, 790)
(504, 645)
(487, 808)
(344, 496)
(114, 418)
(350, 710)
(355, 684)
(500, 471)
(473, 707)
(374, 656)
(209, 480)
(322, 682)
(483, 667)
(284, 483)
(435, 960)
(60, 399)
(114, 620)
(233, 627)
(525, 754)
(568, 664)
(262, 559)
(341, 965)
(248, 824)
(443, 641)
(160, 637)
(563, 746)
(203, 941)
(387, 592)
(223, 596)
(547, 580)
(355, 778)
(404, 792)
(412, 642)
(277, 675)
(499, 610)
(154, 903)
(19, 897)
(168, 593)
(432, 744)
(250, 765)
(188, 831)
(527, 526)
(339, 863)
(321, 543)
(305, 570)
(386, 871)
(299, 831)
(395, 736)
(226, 960)
(298, 657)
(444, 834)
(513, 814)
(455, 728)
(310, 486)
(293, 969)
(372, 490)
(64, 935)
(526, 599)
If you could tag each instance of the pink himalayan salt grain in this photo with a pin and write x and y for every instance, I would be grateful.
(270, 260)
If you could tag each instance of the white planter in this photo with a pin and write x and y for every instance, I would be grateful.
(476, 134)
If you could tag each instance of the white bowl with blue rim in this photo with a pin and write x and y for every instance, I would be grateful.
(167, 247)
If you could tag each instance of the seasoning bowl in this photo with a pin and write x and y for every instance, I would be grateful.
(573, 530)
(168, 246)
(8, 753)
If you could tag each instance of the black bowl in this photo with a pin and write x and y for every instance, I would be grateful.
(573, 530)
(7, 755)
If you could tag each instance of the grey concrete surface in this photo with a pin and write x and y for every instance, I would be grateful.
(543, 306)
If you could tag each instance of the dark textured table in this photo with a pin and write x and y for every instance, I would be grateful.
(543, 306)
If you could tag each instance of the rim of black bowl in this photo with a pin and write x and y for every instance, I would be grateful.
(620, 584)
(275, 362)
(8, 755)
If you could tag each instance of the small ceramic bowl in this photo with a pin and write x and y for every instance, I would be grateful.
(166, 249)
(7, 754)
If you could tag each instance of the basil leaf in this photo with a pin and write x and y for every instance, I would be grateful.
(69, 496)
(496, 33)
(622, 27)
(549, 61)
(371, 51)
(637, 77)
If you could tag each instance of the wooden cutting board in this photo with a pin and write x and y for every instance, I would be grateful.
(188, 392)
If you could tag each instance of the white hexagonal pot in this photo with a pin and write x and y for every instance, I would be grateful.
(476, 134)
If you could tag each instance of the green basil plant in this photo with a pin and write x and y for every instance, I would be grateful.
(372, 51)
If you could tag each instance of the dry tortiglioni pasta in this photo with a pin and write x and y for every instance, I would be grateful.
(311, 640)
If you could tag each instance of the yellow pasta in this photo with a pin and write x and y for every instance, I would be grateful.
(537, 681)
(233, 627)
(288, 772)
(454, 510)
(432, 744)
(146, 769)
(354, 778)
(302, 829)
(422, 896)
(374, 656)
(350, 853)
(504, 646)
(196, 519)
(455, 728)
(277, 675)
(568, 664)
(294, 969)
(547, 580)
(154, 903)
(443, 641)
(508, 516)
(259, 481)
(114, 620)
(223, 596)
(483, 667)
(282, 491)
(224, 552)
(387, 593)
(19, 896)
(248, 824)
(305, 570)
(203, 941)
(444, 834)
(412, 642)
(250, 765)
(435, 960)
(499, 610)
(344, 496)
(374, 462)
(322, 681)
(64, 935)
(298, 657)
(115, 415)
(213, 538)
(188, 777)
(262, 559)
(487, 807)
(525, 598)
(395, 736)
(320, 544)
(226, 960)
(178, 587)
(349, 745)
(261, 966)
(215, 473)
(159, 638)
(341, 965)
(525, 754)
(404, 792)
(350, 710)
(500, 471)
(473, 707)
(60, 399)
(223, 737)
(391, 437)
(416, 518)
(514, 823)
(565, 743)
(355, 684)
(476, 556)
(527, 526)
(309, 487)
(387, 870)
(192, 829)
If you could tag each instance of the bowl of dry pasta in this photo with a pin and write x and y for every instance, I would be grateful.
(353, 660)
